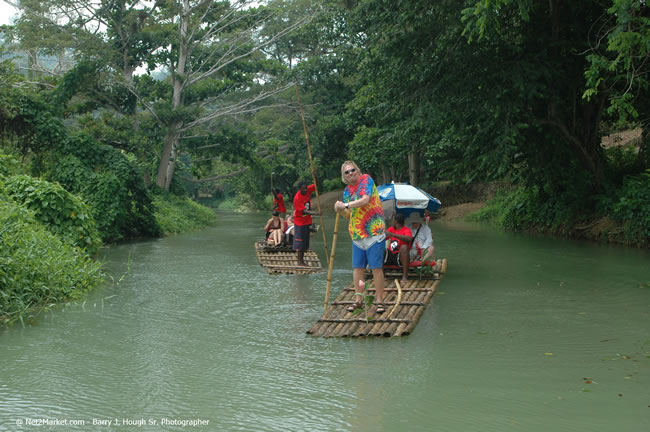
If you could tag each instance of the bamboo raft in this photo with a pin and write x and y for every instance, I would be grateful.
(399, 319)
(283, 260)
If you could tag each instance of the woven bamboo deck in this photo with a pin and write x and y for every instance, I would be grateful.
(283, 260)
(416, 295)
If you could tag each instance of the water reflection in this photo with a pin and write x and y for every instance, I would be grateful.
(197, 329)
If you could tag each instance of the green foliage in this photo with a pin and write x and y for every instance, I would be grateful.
(37, 269)
(622, 161)
(175, 214)
(8, 165)
(633, 208)
(27, 117)
(619, 68)
(532, 208)
(332, 184)
(58, 210)
(111, 184)
(493, 211)
(366, 300)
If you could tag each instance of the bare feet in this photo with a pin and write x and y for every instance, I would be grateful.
(403, 282)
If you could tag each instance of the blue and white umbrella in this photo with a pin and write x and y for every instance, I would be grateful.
(405, 198)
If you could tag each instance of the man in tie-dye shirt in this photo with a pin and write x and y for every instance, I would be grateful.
(367, 228)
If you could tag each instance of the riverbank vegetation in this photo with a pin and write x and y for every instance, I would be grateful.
(114, 113)
(49, 237)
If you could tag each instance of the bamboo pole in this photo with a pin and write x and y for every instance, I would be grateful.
(399, 298)
(313, 172)
(330, 263)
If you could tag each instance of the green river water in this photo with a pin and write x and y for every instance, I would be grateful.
(525, 334)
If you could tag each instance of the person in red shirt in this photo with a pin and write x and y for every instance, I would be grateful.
(302, 214)
(398, 243)
(278, 203)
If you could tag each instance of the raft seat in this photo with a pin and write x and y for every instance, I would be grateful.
(412, 265)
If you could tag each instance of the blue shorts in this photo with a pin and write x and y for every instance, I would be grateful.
(373, 257)
(301, 237)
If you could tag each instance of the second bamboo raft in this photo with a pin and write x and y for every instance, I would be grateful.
(416, 295)
(283, 260)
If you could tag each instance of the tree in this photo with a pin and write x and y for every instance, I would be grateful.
(484, 89)
(209, 50)
(619, 68)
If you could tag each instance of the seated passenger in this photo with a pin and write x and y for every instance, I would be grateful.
(398, 238)
(422, 247)
(274, 229)
(288, 233)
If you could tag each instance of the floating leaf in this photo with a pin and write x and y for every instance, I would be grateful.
(548, 354)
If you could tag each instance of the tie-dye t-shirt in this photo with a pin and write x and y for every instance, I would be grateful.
(367, 221)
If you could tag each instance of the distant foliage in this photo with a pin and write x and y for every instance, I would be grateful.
(633, 208)
(175, 214)
(111, 184)
(332, 184)
(531, 208)
(27, 115)
(37, 269)
(61, 212)
(8, 165)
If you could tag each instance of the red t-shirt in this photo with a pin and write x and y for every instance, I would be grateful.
(278, 204)
(394, 243)
(302, 202)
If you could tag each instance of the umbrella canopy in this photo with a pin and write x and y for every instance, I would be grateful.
(405, 198)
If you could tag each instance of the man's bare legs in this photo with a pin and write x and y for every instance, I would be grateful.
(378, 280)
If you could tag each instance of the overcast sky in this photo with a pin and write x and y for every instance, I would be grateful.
(6, 13)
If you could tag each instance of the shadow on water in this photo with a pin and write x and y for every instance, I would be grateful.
(526, 333)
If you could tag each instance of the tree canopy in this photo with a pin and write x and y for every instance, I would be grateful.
(467, 91)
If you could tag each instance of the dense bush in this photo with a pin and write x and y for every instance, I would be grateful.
(37, 269)
(633, 208)
(61, 212)
(111, 184)
(8, 165)
(528, 208)
(333, 184)
(175, 214)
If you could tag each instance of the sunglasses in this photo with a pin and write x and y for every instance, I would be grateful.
(350, 171)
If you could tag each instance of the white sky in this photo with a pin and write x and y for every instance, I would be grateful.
(7, 13)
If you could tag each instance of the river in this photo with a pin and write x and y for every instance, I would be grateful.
(526, 333)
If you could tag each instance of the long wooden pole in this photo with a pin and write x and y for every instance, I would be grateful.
(330, 266)
(313, 173)
(399, 299)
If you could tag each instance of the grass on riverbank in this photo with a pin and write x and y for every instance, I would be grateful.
(623, 217)
(38, 269)
(175, 214)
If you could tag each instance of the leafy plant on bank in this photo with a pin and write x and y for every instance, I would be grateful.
(8, 165)
(633, 208)
(175, 214)
(37, 269)
(111, 184)
(61, 212)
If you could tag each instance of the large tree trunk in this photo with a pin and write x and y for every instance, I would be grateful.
(414, 166)
(178, 74)
(168, 156)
